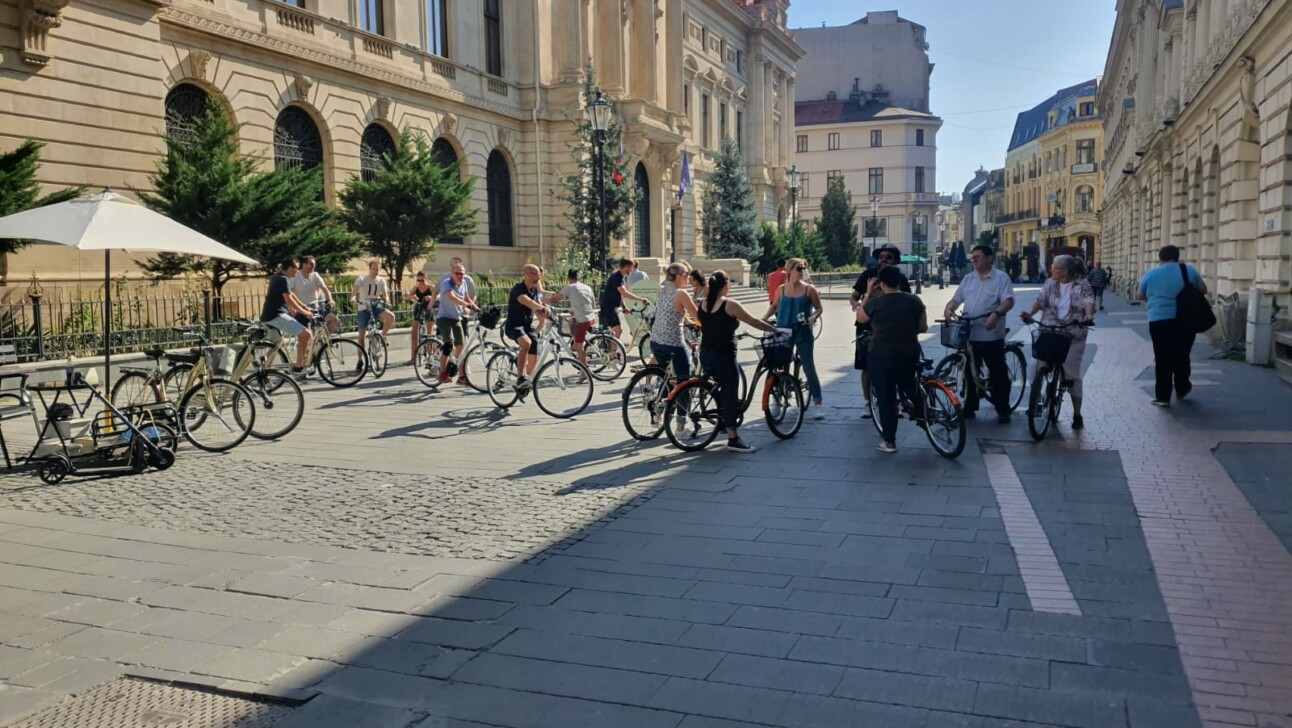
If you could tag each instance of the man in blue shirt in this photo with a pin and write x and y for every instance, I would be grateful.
(1172, 338)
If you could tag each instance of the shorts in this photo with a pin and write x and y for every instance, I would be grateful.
(515, 331)
(1099, 290)
(581, 332)
(303, 319)
(449, 329)
(286, 325)
(422, 313)
(321, 309)
(861, 354)
(609, 317)
(365, 317)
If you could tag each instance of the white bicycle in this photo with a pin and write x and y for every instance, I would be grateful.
(562, 386)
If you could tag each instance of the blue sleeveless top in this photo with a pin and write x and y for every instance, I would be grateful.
(787, 316)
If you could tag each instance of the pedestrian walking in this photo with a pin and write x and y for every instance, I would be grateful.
(988, 293)
(1172, 335)
(1098, 279)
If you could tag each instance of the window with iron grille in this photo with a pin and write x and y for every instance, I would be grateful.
(373, 148)
(297, 142)
(185, 104)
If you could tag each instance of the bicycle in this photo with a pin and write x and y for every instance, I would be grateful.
(645, 398)
(330, 355)
(952, 368)
(1050, 346)
(210, 406)
(279, 400)
(377, 348)
(639, 323)
(426, 361)
(939, 413)
(782, 398)
(562, 385)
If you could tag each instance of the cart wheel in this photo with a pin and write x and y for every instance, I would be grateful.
(53, 471)
(161, 459)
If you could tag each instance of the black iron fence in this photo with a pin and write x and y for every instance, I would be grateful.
(40, 330)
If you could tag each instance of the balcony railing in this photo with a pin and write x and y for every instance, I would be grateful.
(1016, 216)
(297, 21)
(1052, 221)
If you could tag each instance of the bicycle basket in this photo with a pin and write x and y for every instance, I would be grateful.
(1051, 346)
(489, 317)
(955, 334)
(778, 351)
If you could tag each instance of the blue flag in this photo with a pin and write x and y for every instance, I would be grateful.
(686, 176)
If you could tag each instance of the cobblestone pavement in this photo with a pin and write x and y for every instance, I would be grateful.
(410, 557)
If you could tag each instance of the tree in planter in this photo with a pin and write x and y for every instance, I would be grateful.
(19, 189)
(730, 224)
(204, 183)
(411, 202)
(838, 224)
(579, 191)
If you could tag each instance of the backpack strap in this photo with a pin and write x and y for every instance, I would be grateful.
(1184, 273)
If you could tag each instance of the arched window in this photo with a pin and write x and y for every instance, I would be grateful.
(447, 156)
(498, 190)
(1085, 199)
(184, 105)
(373, 148)
(297, 142)
(641, 215)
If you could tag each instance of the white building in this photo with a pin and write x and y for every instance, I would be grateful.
(879, 54)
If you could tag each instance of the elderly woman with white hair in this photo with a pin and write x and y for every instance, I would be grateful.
(1066, 298)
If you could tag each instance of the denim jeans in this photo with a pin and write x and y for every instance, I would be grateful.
(676, 355)
(890, 375)
(724, 369)
(808, 357)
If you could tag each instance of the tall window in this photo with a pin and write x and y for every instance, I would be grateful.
(919, 137)
(876, 180)
(740, 129)
(373, 148)
(1087, 108)
(705, 137)
(801, 143)
(498, 192)
(437, 28)
(803, 186)
(1085, 199)
(686, 100)
(833, 173)
(919, 179)
(876, 138)
(493, 37)
(1085, 151)
(641, 214)
(722, 121)
(185, 104)
(832, 141)
(447, 156)
(297, 142)
(371, 17)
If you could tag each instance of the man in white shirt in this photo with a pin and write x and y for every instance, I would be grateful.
(989, 293)
(372, 298)
(313, 291)
(582, 306)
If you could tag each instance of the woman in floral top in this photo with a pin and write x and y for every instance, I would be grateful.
(1066, 298)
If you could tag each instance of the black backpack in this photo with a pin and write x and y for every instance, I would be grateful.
(1191, 306)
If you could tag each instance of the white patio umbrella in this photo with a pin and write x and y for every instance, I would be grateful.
(108, 221)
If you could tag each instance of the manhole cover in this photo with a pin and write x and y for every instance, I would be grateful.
(141, 704)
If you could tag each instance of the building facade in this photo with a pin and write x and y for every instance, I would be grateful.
(864, 117)
(1054, 181)
(982, 202)
(330, 83)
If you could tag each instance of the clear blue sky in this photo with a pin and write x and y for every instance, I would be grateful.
(992, 59)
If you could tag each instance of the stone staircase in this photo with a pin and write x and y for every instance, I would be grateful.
(1283, 355)
(748, 297)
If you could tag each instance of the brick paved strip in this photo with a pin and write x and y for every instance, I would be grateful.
(1047, 588)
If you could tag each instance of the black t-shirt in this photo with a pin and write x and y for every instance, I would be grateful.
(611, 298)
(863, 281)
(274, 304)
(895, 318)
(423, 297)
(518, 314)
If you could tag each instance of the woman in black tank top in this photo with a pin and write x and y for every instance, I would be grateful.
(720, 317)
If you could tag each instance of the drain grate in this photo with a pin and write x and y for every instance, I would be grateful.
(130, 703)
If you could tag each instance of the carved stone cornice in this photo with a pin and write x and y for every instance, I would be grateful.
(38, 18)
(1221, 44)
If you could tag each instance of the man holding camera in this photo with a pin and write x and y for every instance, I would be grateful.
(886, 255)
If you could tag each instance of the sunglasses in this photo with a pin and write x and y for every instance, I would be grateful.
(800, 268)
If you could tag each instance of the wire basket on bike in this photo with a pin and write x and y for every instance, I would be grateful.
(490, 317)
(955, 334)
(777, 350)
(1051, 346)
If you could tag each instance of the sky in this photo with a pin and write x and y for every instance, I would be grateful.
(992, 59)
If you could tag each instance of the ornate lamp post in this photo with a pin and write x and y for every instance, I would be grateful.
(793, 175)
(599, 113)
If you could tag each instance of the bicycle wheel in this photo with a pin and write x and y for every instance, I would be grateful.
(944, 422)
(342, 363)
(377, 353)
(563, 387)
(1016, 363)
(263, 351)
(280, 404)
(1039, 406)
(644, 401)
(701, 416)
(783, 405)
(500, 379)
(951, 372)
(174, 381)
(217, 415)
(872, 402)
(426, 363)
(817, 328)
(607, 357)
(136, 388)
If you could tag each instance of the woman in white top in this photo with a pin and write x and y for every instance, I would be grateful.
(1066, 298)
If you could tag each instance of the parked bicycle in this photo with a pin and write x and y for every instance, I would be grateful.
(280, 404)
(939, 413)
(1050, 345)
(957, 370)
(561, 385)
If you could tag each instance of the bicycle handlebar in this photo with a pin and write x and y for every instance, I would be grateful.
(1060, 327)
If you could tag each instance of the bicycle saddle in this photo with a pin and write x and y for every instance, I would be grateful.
(154, 352)
(183, 358)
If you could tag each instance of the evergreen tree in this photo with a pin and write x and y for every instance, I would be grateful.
(411, 202)
(204, 183)
(19, 189)
(838, 224)
(771, 244)
(579, 190)
(730, 223)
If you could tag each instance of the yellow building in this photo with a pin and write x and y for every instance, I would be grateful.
(1053, 183)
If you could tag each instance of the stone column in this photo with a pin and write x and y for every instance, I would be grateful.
(610, 47)
(674, 34)
(644, 51)
(1202, 30)
(569, 43)
(757, 122)
(1237, 249)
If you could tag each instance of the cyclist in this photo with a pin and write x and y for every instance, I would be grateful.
(794, 298)
(719, 318)
(468, 283)
(307, 286)
(897, 319)
(285, 312)
(666, 342)
(1098, 278)
(613, 294)
(886, 255)
(423, 296)
(448, 321)
(580, 296)
(1065, 299)
(522, 305)
(371, 286)
(986, 290)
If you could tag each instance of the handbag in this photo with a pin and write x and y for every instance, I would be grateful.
(1191, 306)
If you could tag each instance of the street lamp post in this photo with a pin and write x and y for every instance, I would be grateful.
(793, 175)
(599, 114)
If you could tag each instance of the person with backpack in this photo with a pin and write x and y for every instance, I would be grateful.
(1177, 312)
(1098, 279)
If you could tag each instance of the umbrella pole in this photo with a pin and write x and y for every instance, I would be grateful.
(107, 320)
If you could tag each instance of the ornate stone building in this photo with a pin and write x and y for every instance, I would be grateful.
(330, 83)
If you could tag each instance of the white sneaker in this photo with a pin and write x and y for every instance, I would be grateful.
(887, 447)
